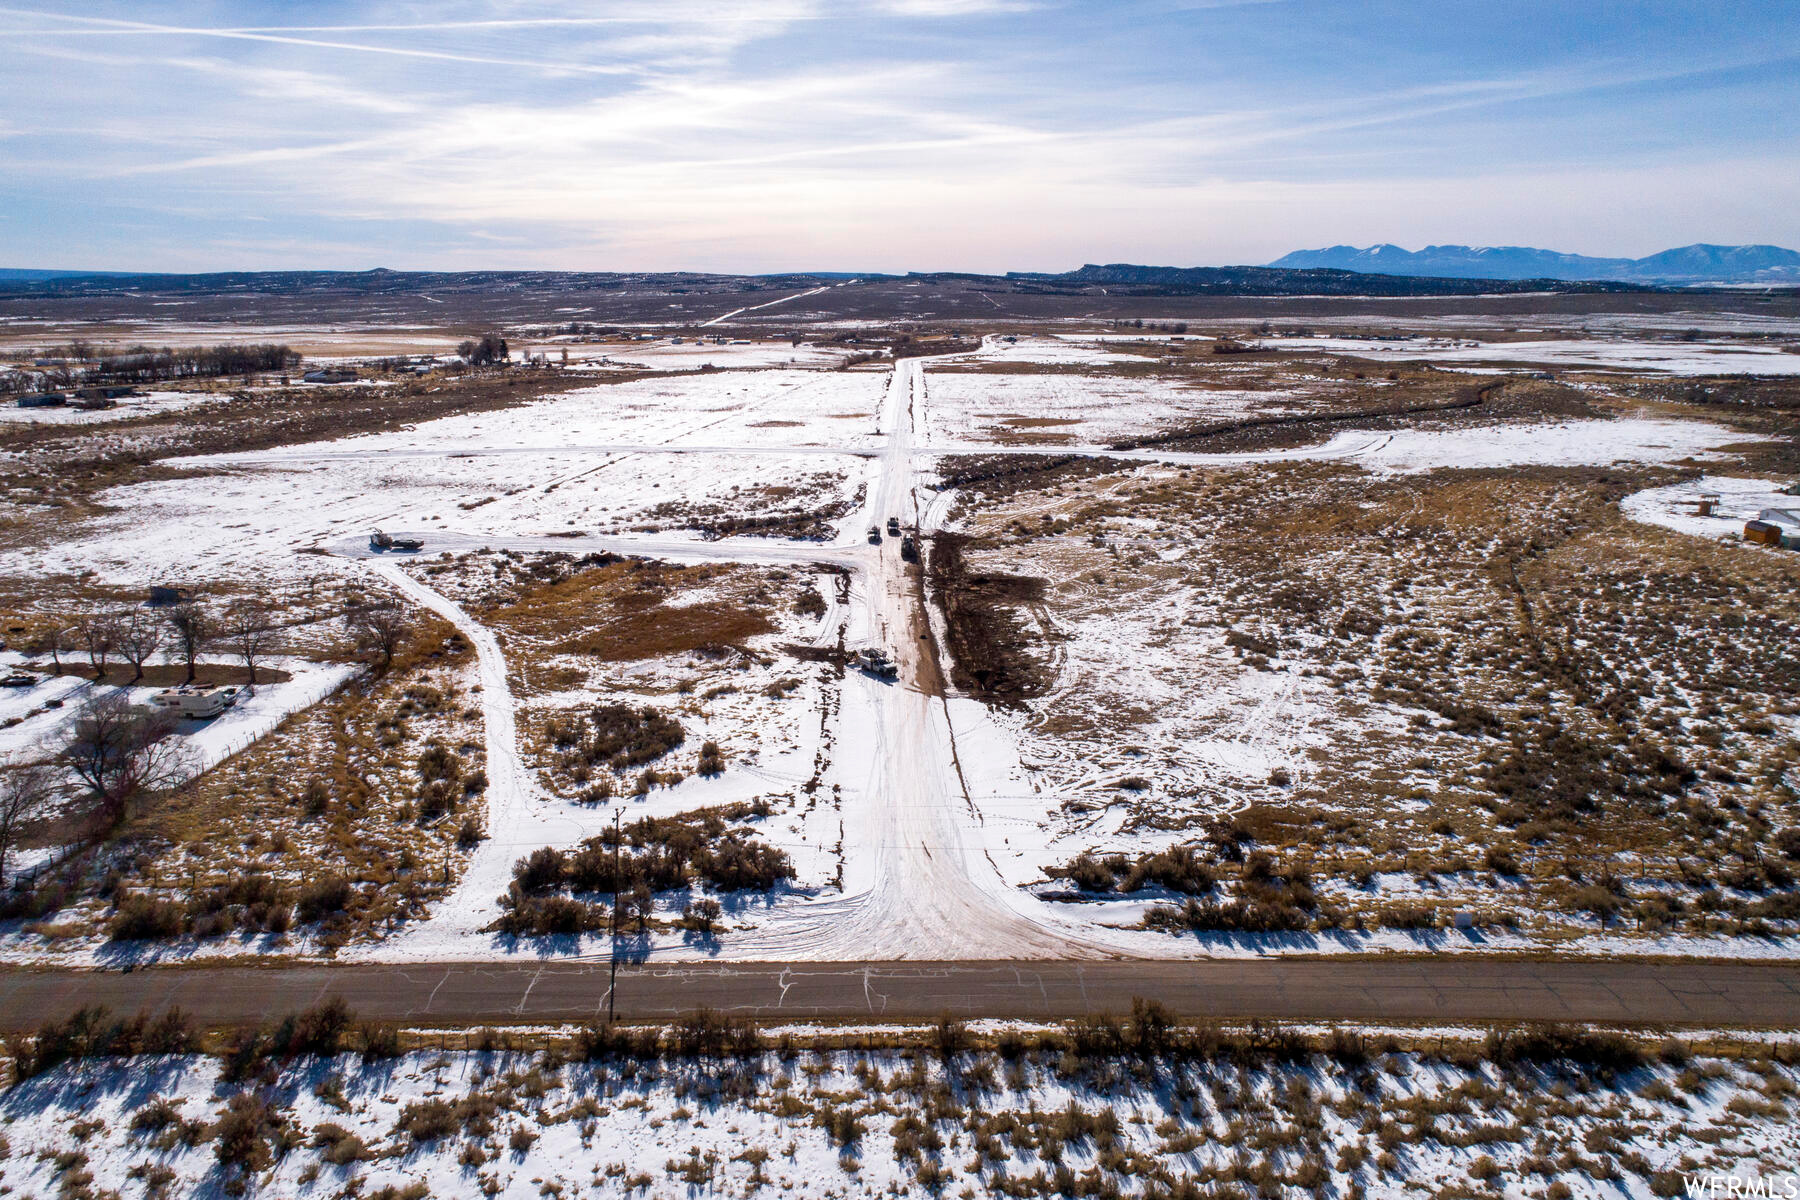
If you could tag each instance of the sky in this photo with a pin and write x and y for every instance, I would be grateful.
(884, 135)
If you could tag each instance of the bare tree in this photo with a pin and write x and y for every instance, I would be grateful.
(378, 630)
(194, 631)
(26, 790)
(52, 641)
(99, 633)
(249, 630)
(121, 751)
(139, 636)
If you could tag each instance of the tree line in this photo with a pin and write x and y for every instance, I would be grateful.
(145, 364)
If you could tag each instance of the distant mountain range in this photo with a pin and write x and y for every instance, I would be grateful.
(261, 287)
(1699, 263)
(1289, 281)
(21, 275)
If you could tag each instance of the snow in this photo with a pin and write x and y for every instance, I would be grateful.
(1673, 507)
(212, 740)
(143, 404)
(593, 460)
(691, 354)
(973, 407)
(1551, 444)
(1057, 351)
(615, 1128)
(1674, 358)
(947, 808)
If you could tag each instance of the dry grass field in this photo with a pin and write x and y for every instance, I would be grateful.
(1475, 692)
(346, 820)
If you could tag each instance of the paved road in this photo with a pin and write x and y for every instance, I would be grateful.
(1345, 990)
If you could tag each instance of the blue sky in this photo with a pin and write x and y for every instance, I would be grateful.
(885, 134)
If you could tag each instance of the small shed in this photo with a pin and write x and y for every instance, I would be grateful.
(1762, 533)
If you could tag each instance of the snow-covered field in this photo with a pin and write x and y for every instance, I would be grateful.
(1550, 444)
(140, 405)
(841, 1123)
(1075, 409)
(1673, 357)
(946, 809)
(1056, 351)
(1739, 500)
(596, 459)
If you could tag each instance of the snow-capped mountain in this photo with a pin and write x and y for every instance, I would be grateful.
(1699, 263)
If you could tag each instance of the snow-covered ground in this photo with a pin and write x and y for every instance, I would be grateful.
(1056, 351)
(212, 740)
(943, 816)
(140, 405)
(1672, 357)
(1739, 500)
(1075, 409)
(594, 459)
(691, 354)
(1551, 444)
(885, 1122)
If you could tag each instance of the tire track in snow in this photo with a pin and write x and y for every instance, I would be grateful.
(771, 304)
(510, 792)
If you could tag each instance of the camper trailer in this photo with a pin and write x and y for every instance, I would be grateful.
(195, 703)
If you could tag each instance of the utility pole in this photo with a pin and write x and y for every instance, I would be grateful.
(612, 987)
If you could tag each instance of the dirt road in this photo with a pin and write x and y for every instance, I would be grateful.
(1738, 994)
(916, 884)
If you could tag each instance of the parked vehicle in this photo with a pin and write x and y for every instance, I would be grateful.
(876, 662)
(19, 679)
(893, 526)
(874, 535)
(909, 550)
(196, 703)
(382, 541)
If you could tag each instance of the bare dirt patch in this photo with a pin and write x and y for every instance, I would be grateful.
(994, 630)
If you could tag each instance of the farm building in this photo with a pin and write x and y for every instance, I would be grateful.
(43, 400)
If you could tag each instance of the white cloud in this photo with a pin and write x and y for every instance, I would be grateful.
(953, 8)
(799, 133)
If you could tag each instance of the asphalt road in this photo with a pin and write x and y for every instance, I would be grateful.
(1739, 994)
